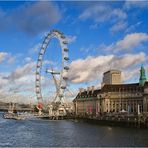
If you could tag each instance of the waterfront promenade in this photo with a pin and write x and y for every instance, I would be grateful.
(134, 121)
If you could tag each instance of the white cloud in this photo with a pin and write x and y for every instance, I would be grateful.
(118, 27)
(31, 18)
(18, 78)
(92, 68)
(135, 4)
(129, 60)
(119, 13)
(129, 74)
(35, 49)
(102, 13)
(71, 39)
(11, 59)
(85, 70)
(14, 85)
(133, 27)
(20, 84)
(94, 26)
(128, 43)
(90, 48)
(131, 41)
(3, 56)
(6, 96)
(3, 81)
(28, 59)
(21, 71)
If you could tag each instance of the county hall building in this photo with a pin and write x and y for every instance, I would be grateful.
(113, 97)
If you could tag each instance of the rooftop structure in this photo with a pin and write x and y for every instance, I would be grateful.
(112, 77)
(142, 78)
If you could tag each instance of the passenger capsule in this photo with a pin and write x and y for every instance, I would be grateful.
(37, 85)
(63, 87)
(66, 58)
(66, 68)
(41, 53)
(37, 91)
(49, 34)
(46, 42)
(54, 30)
(65, 78)
(66, 49)
(62, 36)
(65, 42)
(40, 59)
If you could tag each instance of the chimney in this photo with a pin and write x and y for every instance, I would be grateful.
(92, 88)
(88, 89)
(81, 90)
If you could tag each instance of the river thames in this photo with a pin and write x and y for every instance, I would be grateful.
(45, 133)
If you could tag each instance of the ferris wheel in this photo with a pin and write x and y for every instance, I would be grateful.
(60, 82)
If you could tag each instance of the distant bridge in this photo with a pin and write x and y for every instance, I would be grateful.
(5, 108)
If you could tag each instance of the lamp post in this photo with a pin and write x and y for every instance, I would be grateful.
(120, 99)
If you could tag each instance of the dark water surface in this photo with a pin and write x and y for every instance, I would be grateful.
(45, 133)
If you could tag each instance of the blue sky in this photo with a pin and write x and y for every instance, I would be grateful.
(102, 36)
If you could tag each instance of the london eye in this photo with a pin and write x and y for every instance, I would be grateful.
(59, 76)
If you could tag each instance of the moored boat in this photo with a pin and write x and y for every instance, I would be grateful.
(13, 116)
(12, 113)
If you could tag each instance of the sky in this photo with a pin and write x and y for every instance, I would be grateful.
(102, 35)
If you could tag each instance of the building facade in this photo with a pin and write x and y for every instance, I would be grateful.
(114, 98)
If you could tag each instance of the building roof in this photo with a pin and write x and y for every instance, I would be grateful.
(86, 94)
(112, 70)
(121, 87)
(133, 87)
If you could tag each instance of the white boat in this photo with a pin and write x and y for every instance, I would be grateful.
(12, 113)
(13, 116)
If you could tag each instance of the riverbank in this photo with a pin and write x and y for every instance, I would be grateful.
(134, 121)
(123, 121)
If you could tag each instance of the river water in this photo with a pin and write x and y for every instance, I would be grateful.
(45, 133)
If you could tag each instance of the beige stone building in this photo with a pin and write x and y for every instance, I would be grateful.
(86, 102)
(113, 97)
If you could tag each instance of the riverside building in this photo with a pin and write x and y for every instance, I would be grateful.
(113, 97)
